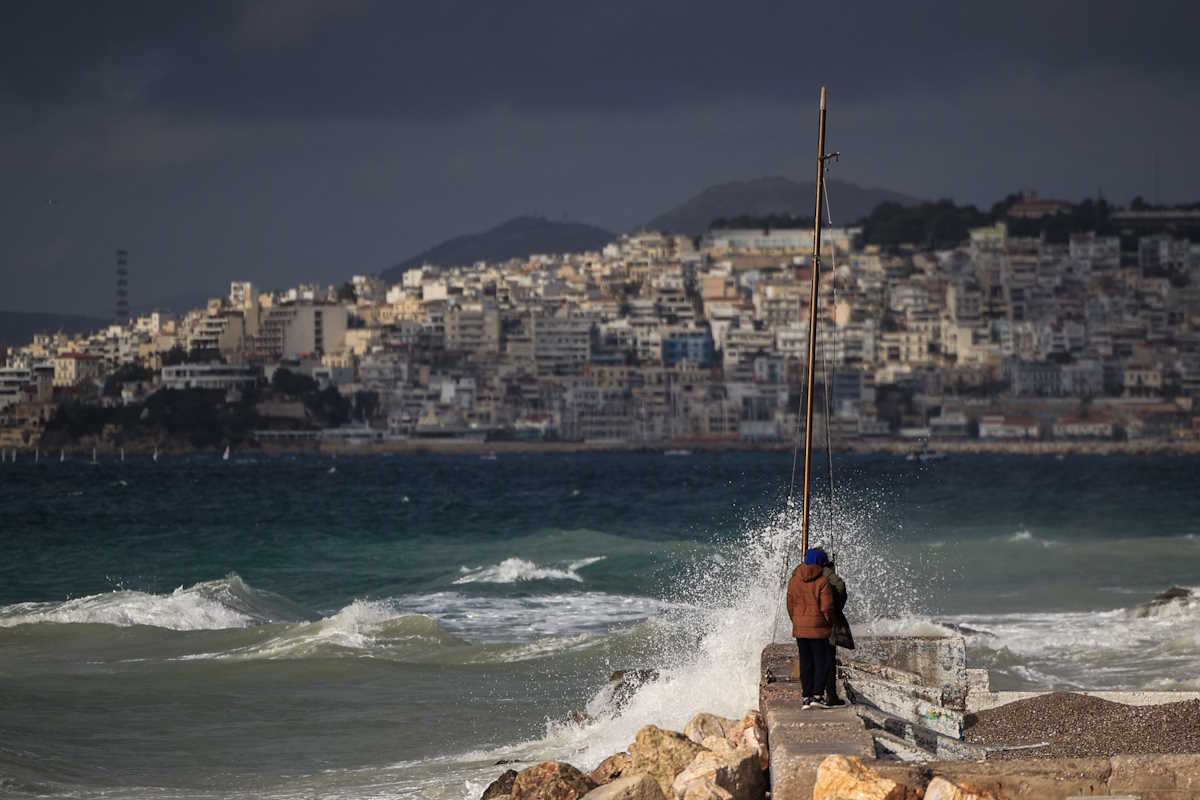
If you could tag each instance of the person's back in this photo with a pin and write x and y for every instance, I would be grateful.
(810, 605)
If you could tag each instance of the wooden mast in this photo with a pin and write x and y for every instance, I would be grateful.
(812, 326)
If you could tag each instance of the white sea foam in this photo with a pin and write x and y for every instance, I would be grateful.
(502, 630)
(712, 637)
(1114, 649)
(362, 628)
(534, 617)
(515, 570)
(210, 605)
(1026, 536)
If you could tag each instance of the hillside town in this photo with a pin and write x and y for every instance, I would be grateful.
(660, 341)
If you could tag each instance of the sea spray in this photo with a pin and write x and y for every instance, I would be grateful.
(728, 604)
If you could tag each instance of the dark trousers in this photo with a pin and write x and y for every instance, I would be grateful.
(831, 681)
(815, 661)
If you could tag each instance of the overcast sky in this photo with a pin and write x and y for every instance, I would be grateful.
(291, 140)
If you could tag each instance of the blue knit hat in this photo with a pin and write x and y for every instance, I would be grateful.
(816, 557)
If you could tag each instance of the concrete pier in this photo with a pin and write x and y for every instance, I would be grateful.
(800, 739)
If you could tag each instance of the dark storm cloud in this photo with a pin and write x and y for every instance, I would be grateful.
(289, 140)
(305, 58)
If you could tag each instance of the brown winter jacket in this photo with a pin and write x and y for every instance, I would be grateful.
(810, 603)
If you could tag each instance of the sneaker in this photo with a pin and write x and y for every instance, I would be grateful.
(834, 703)
(806, 702)
(819, 702)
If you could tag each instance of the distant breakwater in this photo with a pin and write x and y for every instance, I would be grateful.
(882, 446)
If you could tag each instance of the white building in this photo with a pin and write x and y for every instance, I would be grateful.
(301, 330)
(12, 380)
(208, 376)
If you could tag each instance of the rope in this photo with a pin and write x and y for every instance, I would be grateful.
(828, 435)
(828, 385)
(787, 555)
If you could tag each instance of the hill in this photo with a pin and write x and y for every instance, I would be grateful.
(517, 238)
(761, 197)
(18, 327)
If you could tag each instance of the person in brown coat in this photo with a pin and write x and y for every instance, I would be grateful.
(810, 605)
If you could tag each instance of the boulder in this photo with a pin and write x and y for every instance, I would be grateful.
(718, 744)
(751, 732)
(624, 684)
(663, 754)
(705, 790)
(737, 772)
(501, 787)
(612, 768)
(842, 778)
(704, 725)
(1173, 596)
(704, 766)
(941, 789)
(551, 780)
(640, 786)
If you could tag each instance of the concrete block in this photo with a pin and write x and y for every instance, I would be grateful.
(1026, 779)
(978, 680)
(934, 744)
(939, 661)
(917, 704)
(1156, 777)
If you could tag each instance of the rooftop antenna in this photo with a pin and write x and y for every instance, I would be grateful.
(122, 312)
(1157, 201)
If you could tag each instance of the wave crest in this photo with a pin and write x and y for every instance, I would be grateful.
(362, 628)
(515, 570)
(209, 605)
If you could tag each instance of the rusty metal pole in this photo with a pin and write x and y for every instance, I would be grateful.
(812, 326)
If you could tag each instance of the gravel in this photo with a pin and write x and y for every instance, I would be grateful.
(1076, 726)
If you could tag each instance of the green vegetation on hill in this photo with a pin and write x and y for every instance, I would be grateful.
(940, 224)
(327, 405)
(767, 222)
(771, 197)
(197, 417)
(944, 224)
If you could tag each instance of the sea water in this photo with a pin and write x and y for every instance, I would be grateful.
(268, 627)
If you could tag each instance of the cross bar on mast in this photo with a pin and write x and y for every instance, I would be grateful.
(812, 327)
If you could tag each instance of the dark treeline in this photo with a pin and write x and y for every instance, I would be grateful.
(204, 417)
(945, 224)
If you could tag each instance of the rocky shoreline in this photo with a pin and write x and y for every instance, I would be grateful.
(713, 758)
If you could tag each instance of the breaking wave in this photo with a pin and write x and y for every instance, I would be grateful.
(1148, 645)
(209, 605)
(706, 646)
(515, 570)
(231, 620)
(1026, 536)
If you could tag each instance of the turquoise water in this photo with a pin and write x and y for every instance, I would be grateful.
(393, 626)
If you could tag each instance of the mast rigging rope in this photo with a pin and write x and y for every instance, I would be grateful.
(828, 403)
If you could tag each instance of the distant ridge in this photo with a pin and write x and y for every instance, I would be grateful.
(774, 195)
(517, 238)
(19, 327)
